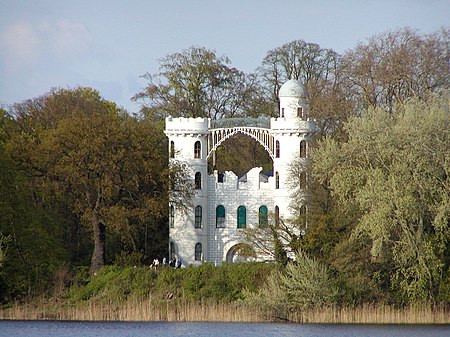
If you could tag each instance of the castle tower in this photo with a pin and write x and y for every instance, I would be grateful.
(188, 143)
(291, 132)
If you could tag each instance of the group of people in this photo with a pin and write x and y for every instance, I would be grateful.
(174, 263)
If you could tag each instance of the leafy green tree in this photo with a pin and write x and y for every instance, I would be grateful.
(32, 242)
(391, 177)
(197, 83)
(109, 168)
(305, 283)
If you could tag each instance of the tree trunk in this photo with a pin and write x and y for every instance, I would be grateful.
(98, 256)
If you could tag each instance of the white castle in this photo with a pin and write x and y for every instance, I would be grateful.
(224, 204)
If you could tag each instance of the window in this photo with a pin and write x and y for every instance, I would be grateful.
(277, 180)
(303, 149)
(300, 112)
(197, 149)
(172, 149)
(303, 214)
(241, 217)
(220, 216)
(263, 218)
(172, 250)
(282, 112)
(198, 181)
(277, 149)
(198, 251)
(303, 180)
(198, 216)
(277, 216)
(172, 216)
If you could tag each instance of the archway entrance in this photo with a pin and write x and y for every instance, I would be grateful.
(240, 252)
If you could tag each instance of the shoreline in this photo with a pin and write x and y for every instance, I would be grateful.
(184, 311)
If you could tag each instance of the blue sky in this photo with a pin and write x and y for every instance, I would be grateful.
(109, 44)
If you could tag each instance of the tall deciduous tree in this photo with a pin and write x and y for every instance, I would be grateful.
(392, 176)
(108, 167)
(197, 83)
(319, 70)
(394, 66)
(32, 242)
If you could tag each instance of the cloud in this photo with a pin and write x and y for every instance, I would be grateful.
(67, 38)
(19, 45)
(23, 44)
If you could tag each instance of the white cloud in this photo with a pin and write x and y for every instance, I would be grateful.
(20, 45)
(69, 38)
(23, 44)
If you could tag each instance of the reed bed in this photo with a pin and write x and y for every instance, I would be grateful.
(188, 311)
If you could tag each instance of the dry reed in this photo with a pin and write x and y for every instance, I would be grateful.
(179, 311)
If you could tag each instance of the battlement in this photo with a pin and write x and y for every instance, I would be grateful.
(183, 125)
(228, 181)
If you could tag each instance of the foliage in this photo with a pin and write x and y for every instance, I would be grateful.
(305, 283)
(240, 154)
(197, 83)
(114, 284)
(392, 67)
(126, 259)
(206, 282)
(320, 72)
(31, 238)
(392, 176)
(108, 168)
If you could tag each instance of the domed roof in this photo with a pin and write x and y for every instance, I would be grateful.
(292, 88)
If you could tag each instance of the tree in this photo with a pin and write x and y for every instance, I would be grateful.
(319, 71)
(197, 83)
(109, 168)
(32, 244)
(392, 177)
(393, 67)
(305, 283)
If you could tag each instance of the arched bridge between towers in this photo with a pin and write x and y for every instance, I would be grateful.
(261, 135)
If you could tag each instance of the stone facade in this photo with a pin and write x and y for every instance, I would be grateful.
(223, 203)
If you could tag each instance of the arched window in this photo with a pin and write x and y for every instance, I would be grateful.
(300, 112)
(303, 214)
(277, 180)
(303, 180)
(241, 217)
(277, 149)
(197, 149)
(172, 149)
(220, 216)
(198, 181)
(263, 216)
(172, 252)
(303, 149)
(282, 112)
(198, 216)
(172, 216)
(277, 216)
(198, 251)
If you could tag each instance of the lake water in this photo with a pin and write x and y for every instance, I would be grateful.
(133, 329)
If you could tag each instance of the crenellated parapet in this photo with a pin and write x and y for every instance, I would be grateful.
(187, 125)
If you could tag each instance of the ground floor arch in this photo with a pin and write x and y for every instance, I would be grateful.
(240, 252)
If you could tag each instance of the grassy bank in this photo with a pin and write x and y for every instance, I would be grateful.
(205, 293)
(181, 311)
